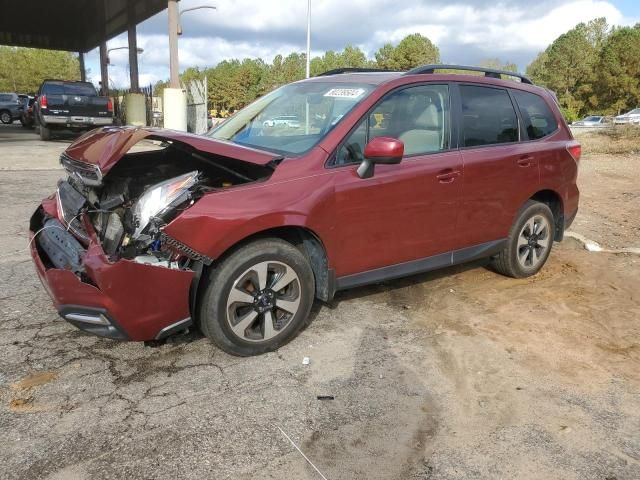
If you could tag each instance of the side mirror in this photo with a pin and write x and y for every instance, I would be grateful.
(385, 150)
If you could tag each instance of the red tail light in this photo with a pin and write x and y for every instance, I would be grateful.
(43, 101)
(110, 105)
(575, 151)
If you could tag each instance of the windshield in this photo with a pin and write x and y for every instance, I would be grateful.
(635, 111)
(293, 118)
(592, 119)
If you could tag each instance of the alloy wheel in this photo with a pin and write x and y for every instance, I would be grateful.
(533, 241)
(5, 117)
(263, 300)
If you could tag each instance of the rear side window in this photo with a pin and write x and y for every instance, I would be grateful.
(536, 115)
(6, 97)
(488, 116)
(71, 88)
(53, 89)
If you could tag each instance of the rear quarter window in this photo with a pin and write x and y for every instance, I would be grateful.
(537, 117)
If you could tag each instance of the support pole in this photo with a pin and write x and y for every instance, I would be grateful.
(174, 80)
(133, 56)
(104, 73)
(308, 38)
(83, 71)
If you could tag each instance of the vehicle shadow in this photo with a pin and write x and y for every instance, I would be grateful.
(194, 333)
(16, 133)
(404, 282)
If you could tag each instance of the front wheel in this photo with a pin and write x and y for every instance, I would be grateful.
(258, 298)
(5, 117)
(529, 242)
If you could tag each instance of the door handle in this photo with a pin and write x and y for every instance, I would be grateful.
(526, 161)
(447, 176)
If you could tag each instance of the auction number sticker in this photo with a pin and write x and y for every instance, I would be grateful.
(345, 92)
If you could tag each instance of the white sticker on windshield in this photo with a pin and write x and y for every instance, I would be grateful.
(345, 92)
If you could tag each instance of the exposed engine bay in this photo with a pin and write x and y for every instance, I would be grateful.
(141, 194)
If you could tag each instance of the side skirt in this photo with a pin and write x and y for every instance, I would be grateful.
(421, 265)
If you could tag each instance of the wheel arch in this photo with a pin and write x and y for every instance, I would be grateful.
(305, 240)
(553, 200)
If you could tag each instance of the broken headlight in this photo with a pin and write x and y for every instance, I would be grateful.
(160, 197)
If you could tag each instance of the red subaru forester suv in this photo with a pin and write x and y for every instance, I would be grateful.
(375, 175)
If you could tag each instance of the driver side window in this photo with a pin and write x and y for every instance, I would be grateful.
(418, 116)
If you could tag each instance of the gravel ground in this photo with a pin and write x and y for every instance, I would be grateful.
(457, 374)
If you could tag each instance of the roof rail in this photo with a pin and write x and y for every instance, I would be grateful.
(337, 71)
(488, 72)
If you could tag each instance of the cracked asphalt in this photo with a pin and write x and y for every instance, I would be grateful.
(457, 374)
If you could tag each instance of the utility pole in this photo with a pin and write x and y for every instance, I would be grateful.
(83, 71)
(174, 79)
(133, 57)
(104, 73)
(308, 38)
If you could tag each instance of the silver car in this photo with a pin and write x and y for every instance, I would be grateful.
(10, 107)
(590, 121)
(629, 118)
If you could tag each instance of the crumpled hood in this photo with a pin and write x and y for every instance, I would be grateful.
(105, 146)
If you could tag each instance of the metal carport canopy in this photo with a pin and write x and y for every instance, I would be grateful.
(72, 25)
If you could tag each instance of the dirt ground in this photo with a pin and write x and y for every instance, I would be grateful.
(457, 374)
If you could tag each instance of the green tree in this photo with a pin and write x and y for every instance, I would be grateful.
(412, 51)
(498, 64)
(568, 67)
(350, 57)
(22, 70)
(618, 81)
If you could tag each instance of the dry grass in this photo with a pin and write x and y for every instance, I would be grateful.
(618, 140)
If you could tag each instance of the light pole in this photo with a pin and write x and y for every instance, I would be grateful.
(308, 38)
(211, 7)
(175, 100)
(138, 50)
(175, 29)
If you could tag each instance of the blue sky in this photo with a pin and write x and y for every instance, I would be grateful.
(466, 31)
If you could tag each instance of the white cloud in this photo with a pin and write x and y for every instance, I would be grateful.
(465, 30)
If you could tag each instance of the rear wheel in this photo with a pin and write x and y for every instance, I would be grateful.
(45, 133)
(529, 243)
(258, 298)
(5, 117)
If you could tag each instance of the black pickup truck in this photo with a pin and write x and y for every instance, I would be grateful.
(70, 105)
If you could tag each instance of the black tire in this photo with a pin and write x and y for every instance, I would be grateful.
(5, 117)
(508, 262)
(45, 133)
(215, 313)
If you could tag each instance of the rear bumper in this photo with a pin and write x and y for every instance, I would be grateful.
(123, 300)
(76, 121)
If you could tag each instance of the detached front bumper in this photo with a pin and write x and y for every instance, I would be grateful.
(124, 300)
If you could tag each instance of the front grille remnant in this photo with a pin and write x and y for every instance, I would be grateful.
(181, 247)
(87, 173)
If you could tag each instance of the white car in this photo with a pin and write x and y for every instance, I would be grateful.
(629, 118)
(591, 121)
(290, 121)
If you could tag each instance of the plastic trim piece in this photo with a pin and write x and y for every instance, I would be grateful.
(421, 265)
(174, 328)
(94, 320)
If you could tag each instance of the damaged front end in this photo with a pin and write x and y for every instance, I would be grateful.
(99, 243)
